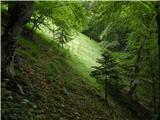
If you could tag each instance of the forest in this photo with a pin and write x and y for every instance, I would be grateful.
(80, 60)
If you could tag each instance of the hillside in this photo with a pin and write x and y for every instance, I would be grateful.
(83, 53)
(49, 87)
(80, 60)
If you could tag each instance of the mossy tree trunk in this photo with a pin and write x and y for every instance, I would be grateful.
(19, 14)
(158, 31)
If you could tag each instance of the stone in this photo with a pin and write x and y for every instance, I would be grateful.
(62, 105)
(25, 101)
(20, 89)
(65, 91)
(10, 98)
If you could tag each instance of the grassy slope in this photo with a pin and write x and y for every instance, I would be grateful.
(84, 52)
(56, 83)
(54, 89)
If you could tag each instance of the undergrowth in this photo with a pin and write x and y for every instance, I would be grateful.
(55, 85)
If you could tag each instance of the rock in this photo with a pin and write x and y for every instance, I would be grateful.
(62, 105)
(65, 91)
(34, 106)
(76, 113)
(61, 118)
(6, 79)
(4, 82)
(20, 89)
(10, 98)
(25, 102)
(6, 92)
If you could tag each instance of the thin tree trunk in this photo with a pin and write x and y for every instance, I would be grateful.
(37, 22)
(19, 14)
(106, 91)
(153, 83)
(154, 94)
(136, 71)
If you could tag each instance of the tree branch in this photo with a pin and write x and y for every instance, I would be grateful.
(153, 8)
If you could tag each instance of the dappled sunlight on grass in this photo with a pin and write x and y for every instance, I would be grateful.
(83, 53)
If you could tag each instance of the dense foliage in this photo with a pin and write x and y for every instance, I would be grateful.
(59, 18)
(108, 69)
(127, 32)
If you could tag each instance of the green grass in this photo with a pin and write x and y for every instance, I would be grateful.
(54, 83)
(83, 54)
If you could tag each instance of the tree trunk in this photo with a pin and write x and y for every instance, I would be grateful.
(153, 83)
(37, 22)
(153, 89)
(158, 31)
(128, 102)
(154, 94)
(106, 91)
(19, 14)
(136, 71)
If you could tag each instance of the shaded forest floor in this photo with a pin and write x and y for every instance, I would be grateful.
(49, 88)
